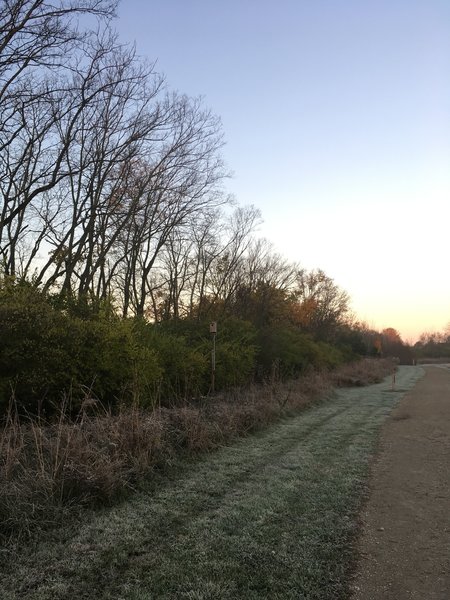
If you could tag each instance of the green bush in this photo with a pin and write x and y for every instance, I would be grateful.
(47, 355)
(235, 364)
(184, 351)
(51, 350)
(236, 348)
(183, 364)
(116, 365)
(236, 352)
(292, 352)
(330, 357)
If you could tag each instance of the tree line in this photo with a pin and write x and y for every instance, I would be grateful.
(111, 185)
(100, 163)
(112, 203)
(433, 346)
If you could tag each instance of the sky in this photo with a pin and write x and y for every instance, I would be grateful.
(336, 115)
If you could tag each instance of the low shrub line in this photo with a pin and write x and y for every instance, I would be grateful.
(46, 468)
(50, 347)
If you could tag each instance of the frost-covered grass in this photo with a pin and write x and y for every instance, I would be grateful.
(272, 516)
(50, 469)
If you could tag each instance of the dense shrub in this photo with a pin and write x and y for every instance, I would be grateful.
(184, 366)
(53, 349)
(292, 352)
(351, 341)
(184, 350)
(47, 354)
(236, 352)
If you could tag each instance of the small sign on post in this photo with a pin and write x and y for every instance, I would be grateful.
(213, 331)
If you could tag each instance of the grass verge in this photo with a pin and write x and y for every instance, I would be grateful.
(47, 469)
(271, 516)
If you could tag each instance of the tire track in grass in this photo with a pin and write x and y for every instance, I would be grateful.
(270, 517)
(309, 491)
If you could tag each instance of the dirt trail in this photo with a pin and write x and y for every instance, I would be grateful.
(405, 544)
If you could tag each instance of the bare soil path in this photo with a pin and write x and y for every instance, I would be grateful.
(405, 544)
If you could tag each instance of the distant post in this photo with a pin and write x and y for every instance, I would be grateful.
(213, 331)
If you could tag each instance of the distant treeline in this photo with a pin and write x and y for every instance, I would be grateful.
(433, 346)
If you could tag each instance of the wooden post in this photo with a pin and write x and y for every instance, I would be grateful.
(213, 331)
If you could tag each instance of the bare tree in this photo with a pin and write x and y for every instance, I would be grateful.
(262, 285)
(182, 180)
(37, 39)
(104, 176)
(113, 129)
(201, 265)
(322, 305)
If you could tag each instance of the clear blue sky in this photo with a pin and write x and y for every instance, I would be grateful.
(337, 120)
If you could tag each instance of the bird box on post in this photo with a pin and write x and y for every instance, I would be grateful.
(213, 327)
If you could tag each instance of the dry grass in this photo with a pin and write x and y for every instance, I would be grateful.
(363, 372)
(45, 468)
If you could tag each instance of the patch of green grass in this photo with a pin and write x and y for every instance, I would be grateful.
(272, 516)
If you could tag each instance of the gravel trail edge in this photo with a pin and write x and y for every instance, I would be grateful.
(405, 543)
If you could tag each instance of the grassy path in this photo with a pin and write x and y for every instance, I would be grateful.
(272, 516)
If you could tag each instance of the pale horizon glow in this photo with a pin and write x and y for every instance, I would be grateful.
(337, 123)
